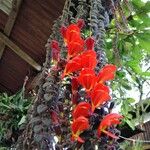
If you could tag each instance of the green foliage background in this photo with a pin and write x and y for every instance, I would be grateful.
(13, 111)
(128, 46)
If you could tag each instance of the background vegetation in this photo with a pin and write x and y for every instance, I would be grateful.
(127, 46)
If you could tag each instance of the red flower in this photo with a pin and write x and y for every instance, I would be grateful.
(74, 85)
(75, 47)
(100, 86)
(87, 79)
(107, 73)
(75, 97)
(78, 126)
(85, 60)
(99, 95)
(80, 23)
(82, 109)
(55, 50)
(72, 66)
(88, 59)
(89, 43)
(109, 120)
(54, 117)
(63, 30)
(72, 33)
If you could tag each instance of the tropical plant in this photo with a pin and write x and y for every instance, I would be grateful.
(13, 110)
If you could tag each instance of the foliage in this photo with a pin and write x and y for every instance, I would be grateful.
(13, 110)
(126, 107)
(128, 47)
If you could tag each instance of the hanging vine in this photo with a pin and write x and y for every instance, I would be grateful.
(52, 108)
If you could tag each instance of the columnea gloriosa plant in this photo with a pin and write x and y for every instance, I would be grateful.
(87, 109)
(74, 101)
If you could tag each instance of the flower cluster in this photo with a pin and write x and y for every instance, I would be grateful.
(81, 62)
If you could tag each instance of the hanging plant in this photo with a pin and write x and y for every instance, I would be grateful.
(79, 71)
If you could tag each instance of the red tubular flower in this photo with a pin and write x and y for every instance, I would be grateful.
(72, 66)
(75, 47)
(99, 95)
(100, 86)
(55, 52)
(87, 79)
(54, 117)
(107, 73)
(89, 42)
(63, 31)
(82, 109)
(72, 33)
(78, 126)
(80, 23)
(109, 120)
(75, 97)
(88, 59)
(74, 85)
(85, 60)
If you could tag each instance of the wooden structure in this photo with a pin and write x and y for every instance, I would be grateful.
(145, 136)
(24, 30)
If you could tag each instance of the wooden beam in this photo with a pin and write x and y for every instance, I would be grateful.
(2, 47)
(10, 22)
(4, 39)
(6, 5)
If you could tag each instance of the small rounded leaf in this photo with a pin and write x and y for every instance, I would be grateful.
(41, 108)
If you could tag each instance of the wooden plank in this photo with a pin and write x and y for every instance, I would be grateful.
(19, 51)
(146, 147)
(11, 20)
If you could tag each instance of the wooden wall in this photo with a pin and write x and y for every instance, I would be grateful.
(30, 32)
